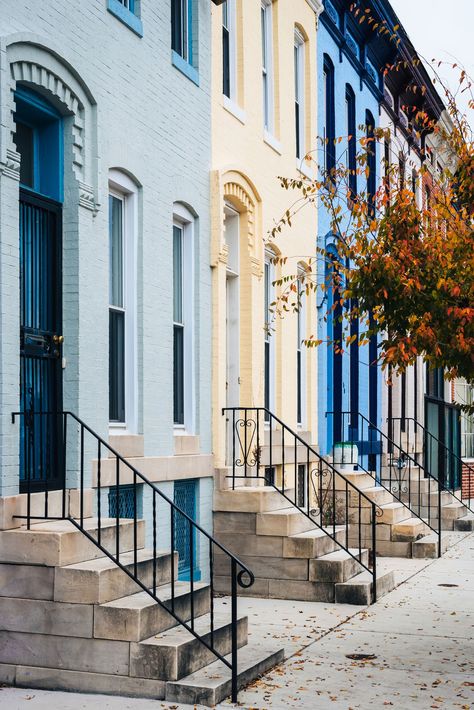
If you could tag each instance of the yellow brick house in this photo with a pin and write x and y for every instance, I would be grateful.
(264, 78)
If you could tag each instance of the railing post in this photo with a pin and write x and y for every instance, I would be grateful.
(439, 520)
(374, 553)
(234, 629)
(233, 449)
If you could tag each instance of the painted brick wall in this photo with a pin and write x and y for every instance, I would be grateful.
(153, 123)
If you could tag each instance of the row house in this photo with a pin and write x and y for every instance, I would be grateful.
(165, 436)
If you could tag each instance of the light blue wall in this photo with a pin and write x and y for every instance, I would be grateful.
(344, 73)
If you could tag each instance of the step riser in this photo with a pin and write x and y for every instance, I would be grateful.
(362, 593)
(306, 548)
(122, 624)
(57, 549)
(81, 682)
(297, 590)
(282, 524)
(27, 581)
(336, 571)
(173, 663)
(91, 587)
(250, 500)
(190, 694)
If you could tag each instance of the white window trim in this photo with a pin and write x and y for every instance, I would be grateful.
(300, 69)
(234, 109)
(232, 29)
(185, 220)
(121, 186)
(269, 126)
(302, 325)
(269, 255)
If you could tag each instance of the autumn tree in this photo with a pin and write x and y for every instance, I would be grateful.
(408, 266)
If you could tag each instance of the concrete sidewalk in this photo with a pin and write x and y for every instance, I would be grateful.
(419, 640)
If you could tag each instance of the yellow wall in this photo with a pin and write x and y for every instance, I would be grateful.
(245, 170)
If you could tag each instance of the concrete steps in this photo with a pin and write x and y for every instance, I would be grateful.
(358, 590)
(465, 524)
(212, 684)
(58, 542)
(138, 616)
(176, 653)
(72, 619)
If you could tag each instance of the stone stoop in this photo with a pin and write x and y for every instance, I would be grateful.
(290, 557)
(423, 493)
(71, 619)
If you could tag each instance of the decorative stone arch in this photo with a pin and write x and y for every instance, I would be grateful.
(242, 194)
(34, 65)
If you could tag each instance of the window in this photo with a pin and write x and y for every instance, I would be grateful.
(122, 300)
(351, 141)
(328, 117)
(128, 12)
(125, 503)
(267, 65)
(299, 95)
(435, 383)
(183, 331)
(371, 160)
(269, 337)
(116, 312)
(229, 49)
(401, 170)
(181, 35)
(301, 354)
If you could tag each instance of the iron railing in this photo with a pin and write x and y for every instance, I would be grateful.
(368, 448)
(449, 465)
(79, 443)
(262, 447)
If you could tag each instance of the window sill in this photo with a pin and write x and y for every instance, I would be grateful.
(272, 142)
(125, 16)
(234, 109)
(184, 67)
(304, 169)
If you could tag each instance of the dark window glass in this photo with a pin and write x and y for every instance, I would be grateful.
(179, 27)
(116, 366)
(351, 143)
(178, 327)
(24, 140)
(371, 160)
(435, 383)
(225, 50)
(330, 127)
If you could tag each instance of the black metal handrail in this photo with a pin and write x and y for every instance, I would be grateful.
(247, 453)
(372, 444)
(435, 443)
(240, 574)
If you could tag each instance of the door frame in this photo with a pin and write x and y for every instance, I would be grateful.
(32, 198)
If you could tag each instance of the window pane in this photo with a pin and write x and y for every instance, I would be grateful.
(116, 366)
(116, 251)
(179, 27)
(177, 275)
(226, 61)
(24, 141)
(178, 374)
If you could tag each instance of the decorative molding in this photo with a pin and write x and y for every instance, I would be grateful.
(37, 75)
(237, 192)
(256, 267)
(316, 6)
(223, 256)
(86, 198)
(11, 167)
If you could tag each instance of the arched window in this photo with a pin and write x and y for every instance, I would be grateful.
(329, 114)
(299, 50)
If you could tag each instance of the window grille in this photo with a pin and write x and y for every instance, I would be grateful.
(125, 502)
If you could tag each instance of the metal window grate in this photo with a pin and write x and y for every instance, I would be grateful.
(125, 502)
(185, 497)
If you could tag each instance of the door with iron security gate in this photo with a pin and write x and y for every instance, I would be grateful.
(186, 498)
(40, 343)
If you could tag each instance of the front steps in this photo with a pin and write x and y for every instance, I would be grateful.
(291, 558)
(72, 620)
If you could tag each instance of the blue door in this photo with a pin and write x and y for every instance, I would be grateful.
(38, 139)
(186, 497)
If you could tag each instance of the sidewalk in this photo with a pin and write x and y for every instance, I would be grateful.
(419, 639)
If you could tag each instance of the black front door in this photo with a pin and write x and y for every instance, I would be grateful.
(40, 343)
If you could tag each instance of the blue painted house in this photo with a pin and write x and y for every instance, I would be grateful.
(350, 90)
